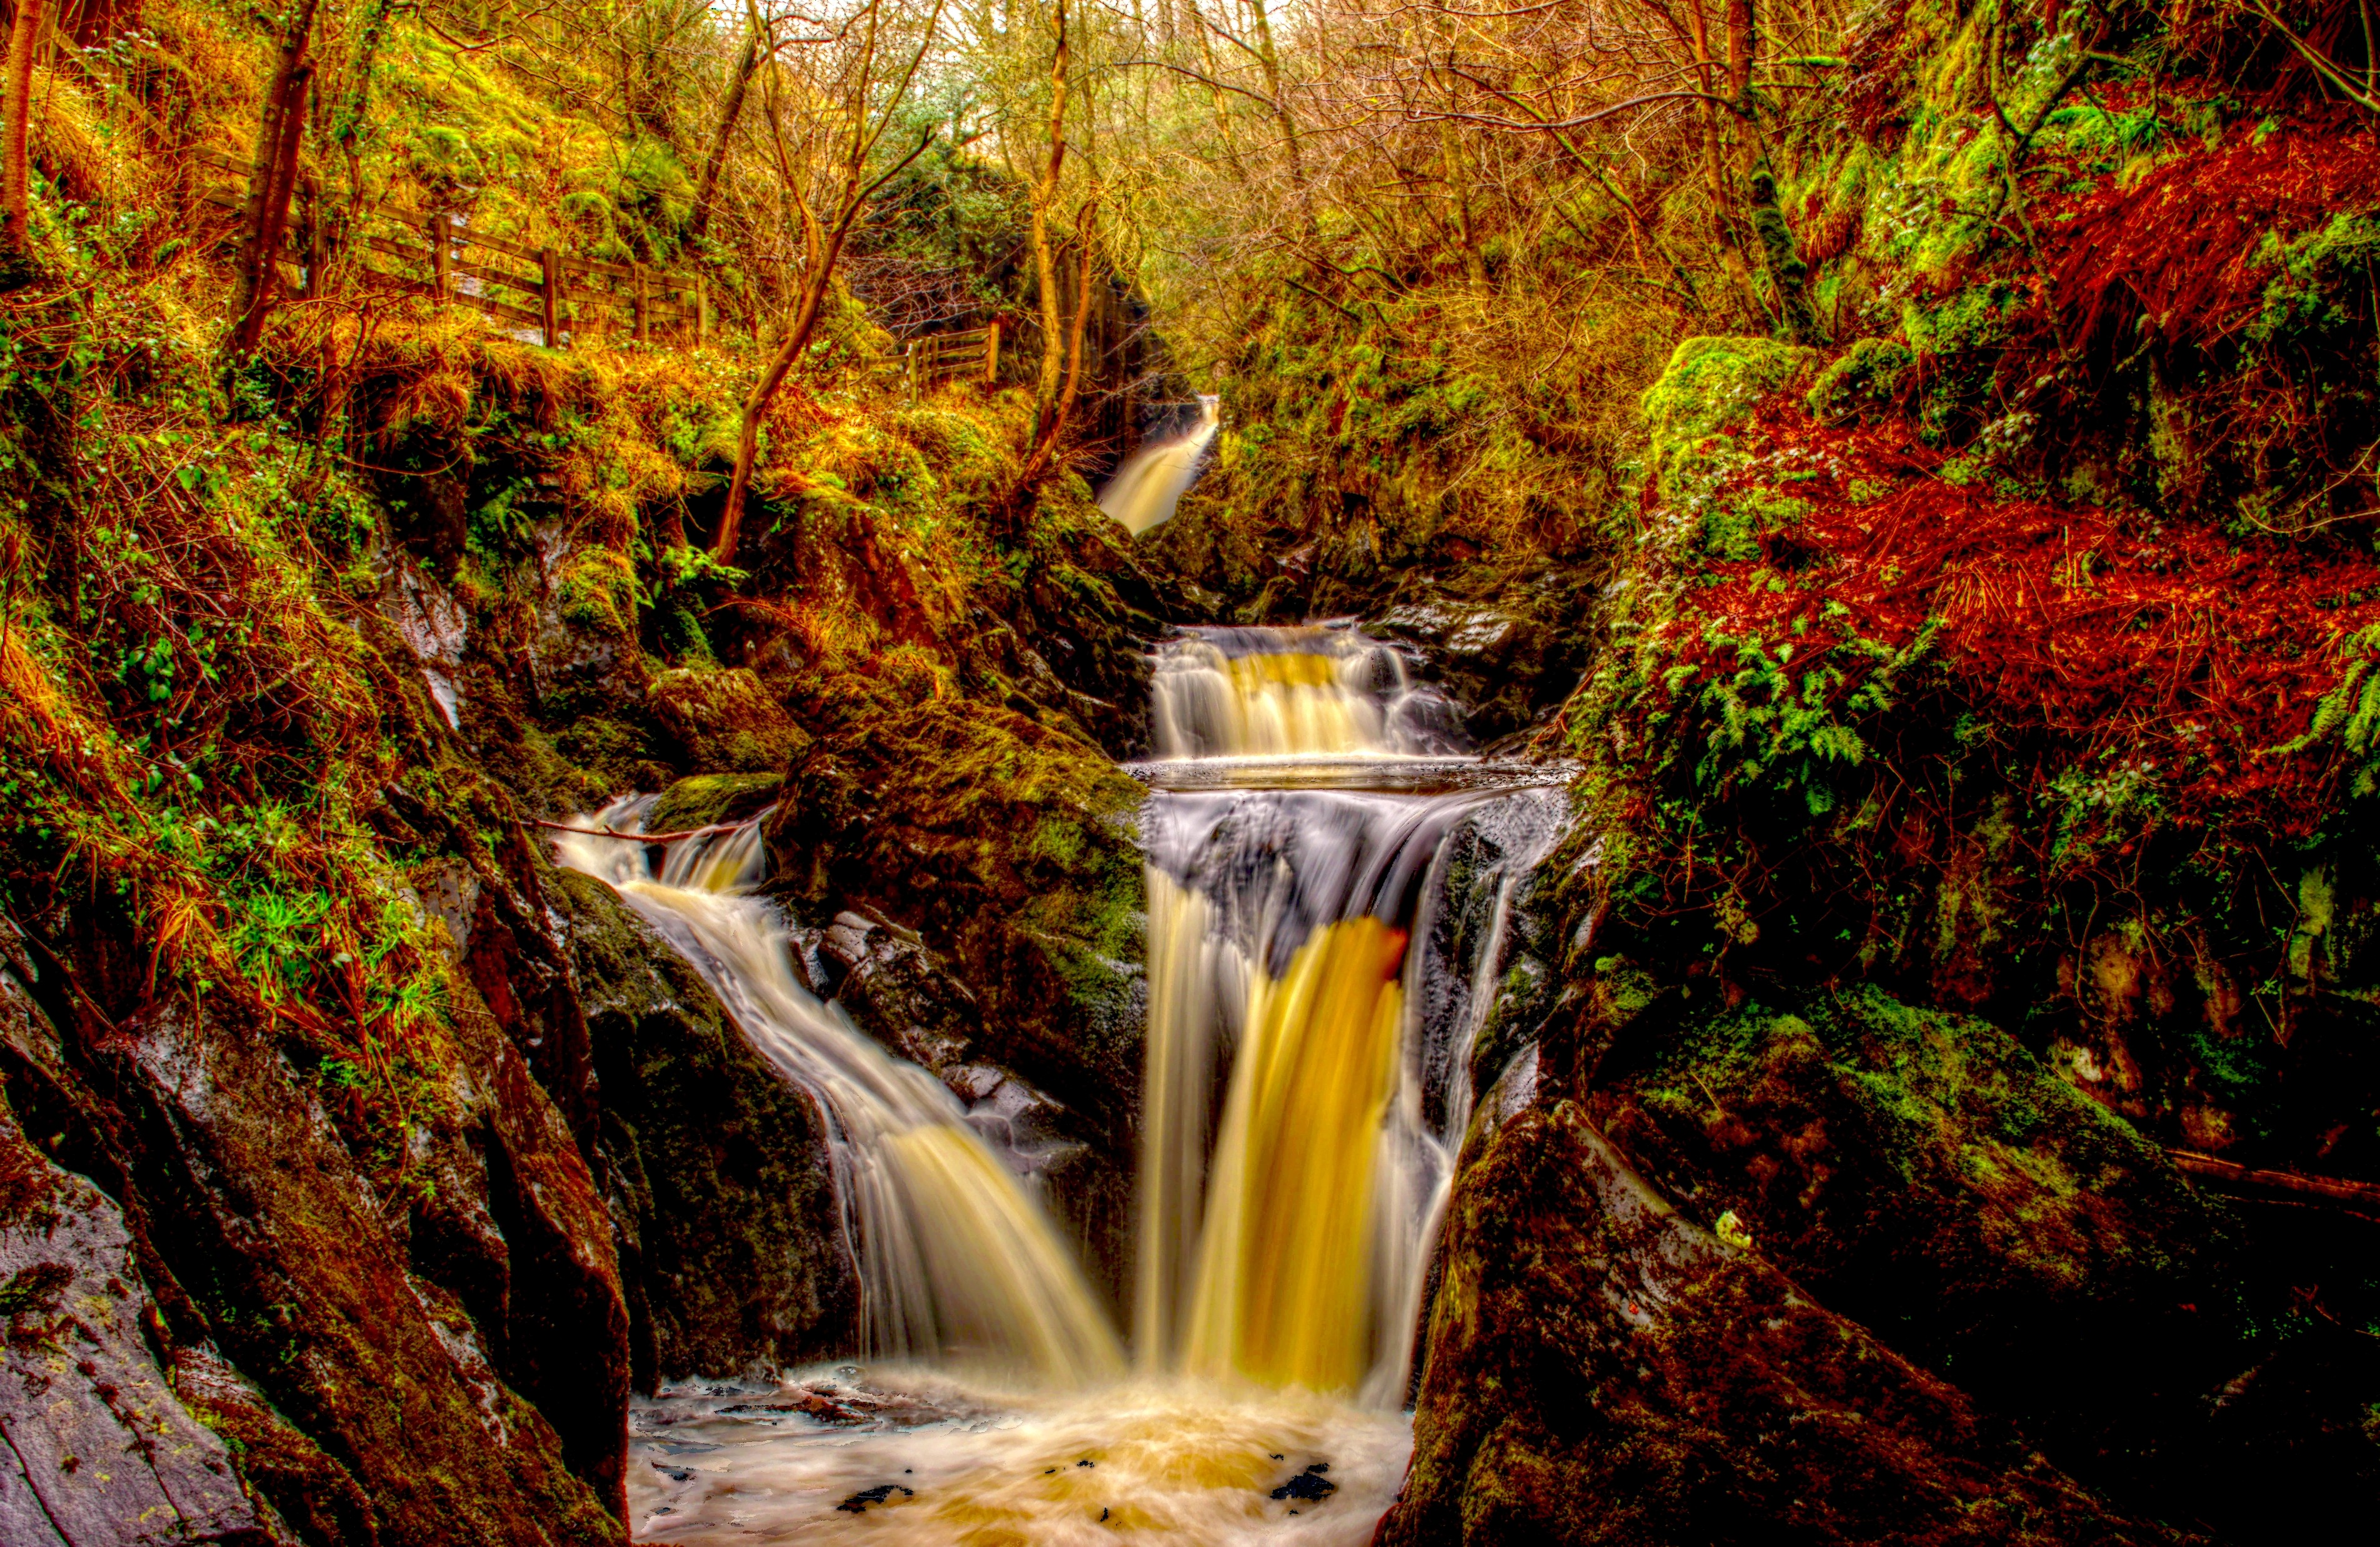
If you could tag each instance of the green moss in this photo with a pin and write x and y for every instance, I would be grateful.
(709, 798)
(1709, 389)
(1865, 379)
(597, 591)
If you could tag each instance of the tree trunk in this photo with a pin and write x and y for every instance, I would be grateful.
(755, 408)
(272, 186)
(1743, 48)
(15, 206)
(729, 112)
(1786, 270)
(1045, 445)
(815, 289)
(1044, 195)
(274, 178)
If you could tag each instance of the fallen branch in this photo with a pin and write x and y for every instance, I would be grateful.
(2364, 1197)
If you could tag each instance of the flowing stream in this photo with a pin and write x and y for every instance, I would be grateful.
(1145, 489)
(1332, 884)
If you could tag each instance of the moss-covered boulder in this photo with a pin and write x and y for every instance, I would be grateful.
(723, 722)
(1704, 396)
(1924, 1174)
(1007, 847)
(99, 1449)
(708, 799)
(1603, 1371)
(733, 1250)
(263, 1239)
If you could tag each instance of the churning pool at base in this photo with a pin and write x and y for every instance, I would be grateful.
(909, 1455)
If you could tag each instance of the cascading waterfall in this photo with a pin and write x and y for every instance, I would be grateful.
(1145, 489)
(1316, 692)
(1344, 945)
(1332, 881)
(956, 1261)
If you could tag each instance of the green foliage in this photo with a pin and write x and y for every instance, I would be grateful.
(1865, 380)
(1709, 389)
(2319, 280)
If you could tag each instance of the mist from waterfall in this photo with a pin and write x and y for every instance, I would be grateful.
(956, 1260)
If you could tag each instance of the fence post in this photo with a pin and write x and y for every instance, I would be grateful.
(991, 354)
(442, 262)
(550, 296)
(702, 309)
(913, 372)
(644, 333)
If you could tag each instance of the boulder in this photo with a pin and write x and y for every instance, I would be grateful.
(1602, 1369)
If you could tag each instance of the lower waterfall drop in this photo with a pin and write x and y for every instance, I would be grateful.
(1324, 939)
(1328, 923)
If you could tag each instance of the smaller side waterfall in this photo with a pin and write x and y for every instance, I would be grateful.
(955, 1260)
(1311, 691)
(1145, 489)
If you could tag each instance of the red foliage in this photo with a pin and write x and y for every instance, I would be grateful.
(2178, 646)
(2177, 246)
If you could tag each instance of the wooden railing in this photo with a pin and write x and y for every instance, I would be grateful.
(948, 357)
(562, 295)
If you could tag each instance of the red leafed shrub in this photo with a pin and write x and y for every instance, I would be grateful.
(2083, 633)
(2178, 246)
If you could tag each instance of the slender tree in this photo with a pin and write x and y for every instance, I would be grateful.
(757, 45)
(274, 181)
(1043, 203)
(1052, 433)
(16, 209)
(827, 224)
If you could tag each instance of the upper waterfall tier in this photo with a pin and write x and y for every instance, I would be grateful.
(1292, 691)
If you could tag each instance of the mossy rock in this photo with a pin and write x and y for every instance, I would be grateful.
(1867, 379)
(1604, 1371)
(596, 593)
(708, 799)
(723, 722)
(1709, 389)
(1009, 848)
(733, 1250)
(1924, 1173)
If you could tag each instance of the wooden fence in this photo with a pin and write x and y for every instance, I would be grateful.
(561, 295)
(948, 357)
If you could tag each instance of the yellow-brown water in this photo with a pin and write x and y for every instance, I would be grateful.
(1305, 692)
(1176, 1463)
(955, 1260)
(1145, 489)
(1284, 1288)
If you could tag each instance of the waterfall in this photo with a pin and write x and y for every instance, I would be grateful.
(1293, 691)
(1340, 948)
(1145, 489)
(956, 1261)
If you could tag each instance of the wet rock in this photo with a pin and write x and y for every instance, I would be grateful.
(97, 1450)
(262, 1241)
(723, 722)
(857, 1504)
(1308, 1486)
(1005, 850)
(731, 1242)
(1603, 1371)
(318, 1499)
(1924, 1174)
(708, 799)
